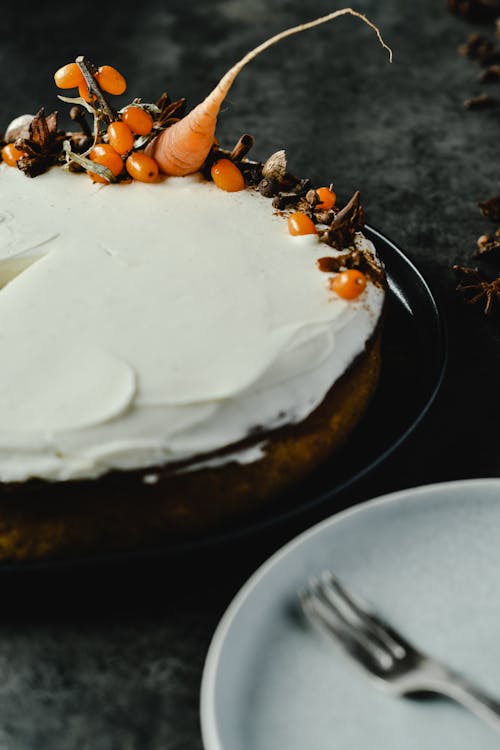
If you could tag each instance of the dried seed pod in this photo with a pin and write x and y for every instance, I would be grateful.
(275, 167)
(18, 128)
(312, 198)
(268, 187)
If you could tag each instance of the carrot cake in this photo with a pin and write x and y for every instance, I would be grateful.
(176, 350)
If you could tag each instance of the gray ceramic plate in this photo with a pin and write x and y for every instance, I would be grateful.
(429, 559)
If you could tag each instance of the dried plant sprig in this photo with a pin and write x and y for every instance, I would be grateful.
(88, 71)
(87, 164)
(476, 288)
(77, 100)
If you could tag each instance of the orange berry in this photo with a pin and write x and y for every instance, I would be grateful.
(110, 80)
(142, 167)
(69, 76)
(120, 137)
(138, 120)
(327, 198)
(348, 284)
(11, 154)
(108, 157)
(299, 223)
(227, 176)
(84, 92)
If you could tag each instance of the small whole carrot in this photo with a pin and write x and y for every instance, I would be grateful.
(183, 148)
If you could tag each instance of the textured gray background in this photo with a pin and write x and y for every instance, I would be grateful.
(113, 659)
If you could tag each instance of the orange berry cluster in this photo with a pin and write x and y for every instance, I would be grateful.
(348, 284)
(117, 154)
(109, 79)
(121, 134)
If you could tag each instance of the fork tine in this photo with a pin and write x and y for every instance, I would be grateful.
(380, 629)
(317, 616)
(321, 609)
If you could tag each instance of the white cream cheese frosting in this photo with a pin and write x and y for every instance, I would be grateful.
(147, 324)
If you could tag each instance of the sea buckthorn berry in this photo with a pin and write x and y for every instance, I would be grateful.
(120, 137)
(348, 284)
(108, 157)
(227, 176)
(142, 167)
(327, 198)
(299, 223)
(69, 76)
(11, 154)
(110, 80)
(138, 120)
(84, 92)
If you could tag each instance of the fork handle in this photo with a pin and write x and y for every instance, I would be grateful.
(468, 695)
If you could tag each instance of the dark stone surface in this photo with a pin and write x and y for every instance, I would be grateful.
(113, 659)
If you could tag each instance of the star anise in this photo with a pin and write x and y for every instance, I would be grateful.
(349, 220)
(170, 111)
(168, 114)
(476, 288)
(42, 144)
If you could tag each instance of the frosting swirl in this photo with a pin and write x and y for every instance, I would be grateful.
(145, 324)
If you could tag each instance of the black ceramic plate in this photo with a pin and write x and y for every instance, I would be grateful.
(414, 354)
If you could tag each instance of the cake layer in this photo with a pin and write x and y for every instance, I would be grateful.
(146, 324)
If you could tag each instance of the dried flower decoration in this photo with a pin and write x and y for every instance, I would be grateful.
(341, 232)
(41, 144)
(476, 288)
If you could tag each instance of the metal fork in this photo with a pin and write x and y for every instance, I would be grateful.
(398, 666)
